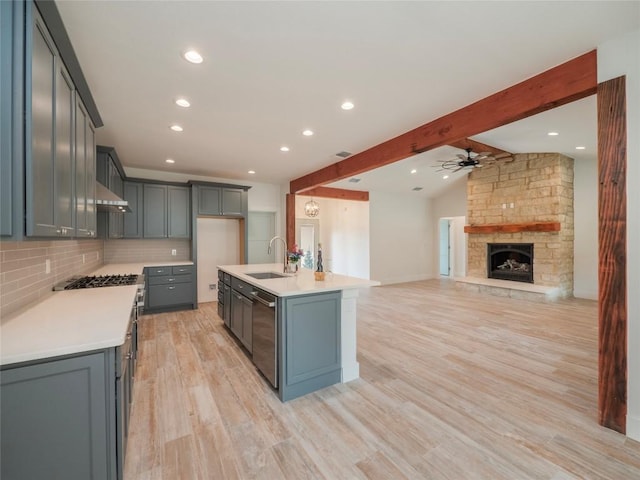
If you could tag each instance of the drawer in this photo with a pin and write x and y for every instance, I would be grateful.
(155, 271)
(240, 286)
(170, 295)
(220, 296)
(170, 279)
(227, 279)
(220, 310)
(182, 269)
(220, 276)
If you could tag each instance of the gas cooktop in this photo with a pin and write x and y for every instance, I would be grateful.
(75, 283)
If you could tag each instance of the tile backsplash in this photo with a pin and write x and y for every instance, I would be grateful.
(30, 269)
(146, 250)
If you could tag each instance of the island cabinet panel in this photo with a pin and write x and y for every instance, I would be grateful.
(56, 419)
(310, 329)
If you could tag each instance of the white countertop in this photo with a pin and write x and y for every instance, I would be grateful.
(301, 283)
(73, 321)
(67, 322)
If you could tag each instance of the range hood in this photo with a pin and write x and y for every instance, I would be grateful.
(107, 201)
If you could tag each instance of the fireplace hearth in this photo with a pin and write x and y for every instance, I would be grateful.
(510, 261)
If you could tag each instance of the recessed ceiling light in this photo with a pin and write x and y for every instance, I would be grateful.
(170, 160)
(284, 149)
(580, 148)
(347, 105)
(183, 102)
(307, 133)
(444, 177)
(553, 134)
(414, 171)
(354, 179)
(251, 172)
(176, 128)
(193, 56)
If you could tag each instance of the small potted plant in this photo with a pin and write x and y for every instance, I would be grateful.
(293, 256)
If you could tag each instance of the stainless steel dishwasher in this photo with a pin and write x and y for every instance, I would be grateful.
(265, 335)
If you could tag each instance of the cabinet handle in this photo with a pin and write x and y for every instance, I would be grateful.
(170, 279)
(129, 356)
(59, 231)
(171, 288)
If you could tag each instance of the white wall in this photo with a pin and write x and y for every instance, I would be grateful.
(218, 244)
(344, 234)
(585, 243)
(621, 56)
(402, 229)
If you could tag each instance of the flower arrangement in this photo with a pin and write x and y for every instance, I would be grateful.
(295, 254)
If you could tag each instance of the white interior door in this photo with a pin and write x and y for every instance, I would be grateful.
(445, 247)
(262, 228)
(218, 244)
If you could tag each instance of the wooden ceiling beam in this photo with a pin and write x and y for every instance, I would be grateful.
(557, 86)
(339, 193)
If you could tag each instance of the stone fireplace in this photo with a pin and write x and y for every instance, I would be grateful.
(525, 201)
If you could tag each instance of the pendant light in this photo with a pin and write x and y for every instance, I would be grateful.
(311, 208)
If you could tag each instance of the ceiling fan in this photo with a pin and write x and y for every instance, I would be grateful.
(462, 161)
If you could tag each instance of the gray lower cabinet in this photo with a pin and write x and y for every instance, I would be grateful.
(58, 419)
(241, 321)
(170, 288)
(50, 197)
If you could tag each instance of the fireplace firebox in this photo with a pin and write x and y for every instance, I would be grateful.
(510, 261)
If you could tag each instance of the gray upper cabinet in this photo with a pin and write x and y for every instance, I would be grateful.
(232, 201)
(133, 221)
(209, 201)
(167, 211)
(50, 130)
(155, 211)
(85, 173)
(221, 201)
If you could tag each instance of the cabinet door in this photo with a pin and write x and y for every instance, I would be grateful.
(40, 150)
(82, 229)
(209, 201)
(227, 305)
(133, 221)
(155, 211)
(90, 181)
(236, 314)
(179, 218)
(6, 117)
(55, 419)
(247, 323)
(231, 201)
(64, 195)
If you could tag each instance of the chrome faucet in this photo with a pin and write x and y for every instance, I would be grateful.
(284, 243)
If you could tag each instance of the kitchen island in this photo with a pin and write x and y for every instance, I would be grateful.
(315, 324)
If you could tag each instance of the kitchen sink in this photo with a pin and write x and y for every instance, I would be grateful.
(265, 275)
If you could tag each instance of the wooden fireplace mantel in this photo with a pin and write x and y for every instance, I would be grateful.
(513, 227)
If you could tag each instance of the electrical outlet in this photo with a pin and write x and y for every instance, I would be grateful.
(47, 266)
(174, 252)
(212, 286)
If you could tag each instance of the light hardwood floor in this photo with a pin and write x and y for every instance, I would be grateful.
(454, 385)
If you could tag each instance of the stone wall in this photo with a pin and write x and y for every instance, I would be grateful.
(531, 188)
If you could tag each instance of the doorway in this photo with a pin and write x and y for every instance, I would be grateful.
(307, 238)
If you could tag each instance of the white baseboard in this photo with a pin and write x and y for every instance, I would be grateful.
(586, 294)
